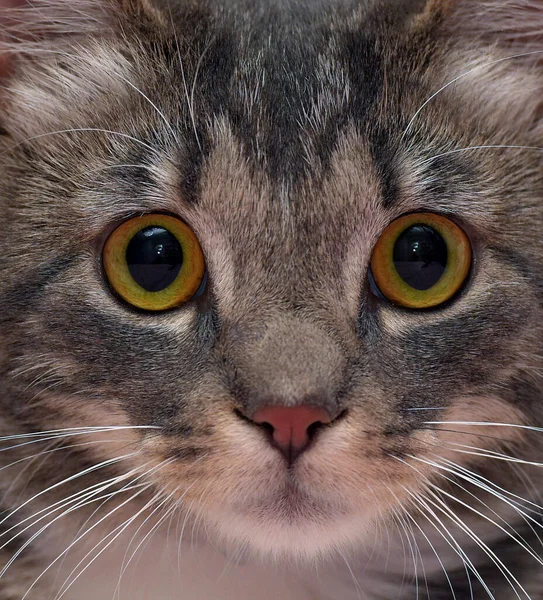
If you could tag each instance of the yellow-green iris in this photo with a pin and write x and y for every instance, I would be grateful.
(421, 260)
(154, 262)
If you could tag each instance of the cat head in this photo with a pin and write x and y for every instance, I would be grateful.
(288, 139)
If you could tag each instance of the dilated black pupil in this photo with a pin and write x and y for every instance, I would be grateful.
(154, 258)
(420, 256)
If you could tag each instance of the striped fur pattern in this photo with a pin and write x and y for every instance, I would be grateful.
(287, 134)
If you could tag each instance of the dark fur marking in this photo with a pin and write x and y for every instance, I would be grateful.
(215, 74)
(136, 178)
(190, 453)
(365, 72)
(22, 297)
(523, 391)
(447, 175)
(424, 345)
(383, 155)
(521, 264)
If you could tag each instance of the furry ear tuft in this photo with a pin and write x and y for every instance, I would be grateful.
(494, 49)
(513, 24)
(35, 33)
(26, 25)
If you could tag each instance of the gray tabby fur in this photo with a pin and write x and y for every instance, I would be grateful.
(287, 134)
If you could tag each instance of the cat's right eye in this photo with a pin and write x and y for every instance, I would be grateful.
(154, 262)
(421, 260)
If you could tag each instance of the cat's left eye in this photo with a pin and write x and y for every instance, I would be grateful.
(421, 260)
(154, 262)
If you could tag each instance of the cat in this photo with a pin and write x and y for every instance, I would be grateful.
(271, 299)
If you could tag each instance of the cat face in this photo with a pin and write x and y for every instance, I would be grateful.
(288, 141)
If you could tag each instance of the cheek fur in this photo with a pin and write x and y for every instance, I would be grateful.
(353, 477)
(473, 426)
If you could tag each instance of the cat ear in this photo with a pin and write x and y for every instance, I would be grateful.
(25, 24)
(31, 26)
(494, 54)
(35, 33)
(513, 24)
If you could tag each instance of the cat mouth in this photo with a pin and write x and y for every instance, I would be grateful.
(293, 501)
(290, 521)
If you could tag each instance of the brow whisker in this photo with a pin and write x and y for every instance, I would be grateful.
(82, 130)
(189, 97)
(461, 76)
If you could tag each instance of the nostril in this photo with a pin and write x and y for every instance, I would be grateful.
(266, 427)
(313, 428)
(290, 429)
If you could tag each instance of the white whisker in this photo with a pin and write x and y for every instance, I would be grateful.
(521, 543)
(519, 508)
(59, 436)
(71, 430)
(77, 506)
(188, 512)
(139, 492)
(450, 514)
(471, 479)
(432, 547)
(358, 589)
(485, 424)
(425, 408)
(80, 499)
(115, 534)
(99, 522)
(86, 471)
(482, 147)
(461, 76)
(496, 456)
(518, 500)
(404, 527)
(159, 112)
(82, 130)
(450, 540)
(190, 101)
(510, 578)
(193, 90)
(126, 564)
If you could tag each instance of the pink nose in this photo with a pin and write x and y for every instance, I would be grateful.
(292, 425)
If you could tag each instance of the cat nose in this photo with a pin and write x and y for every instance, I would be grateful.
(292, 427)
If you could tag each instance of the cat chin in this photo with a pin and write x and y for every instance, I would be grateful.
(284, 539)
